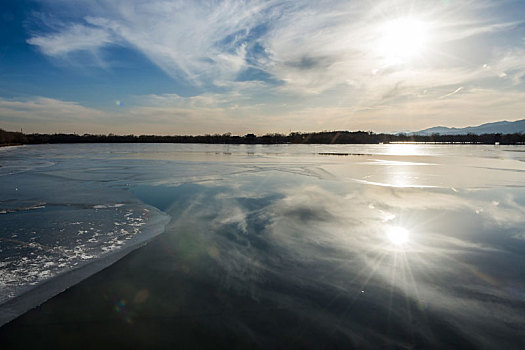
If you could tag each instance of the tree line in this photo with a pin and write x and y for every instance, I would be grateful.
(324, 137)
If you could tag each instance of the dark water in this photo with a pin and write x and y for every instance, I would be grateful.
(403, 246)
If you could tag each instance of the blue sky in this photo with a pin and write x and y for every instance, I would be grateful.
(194, 67)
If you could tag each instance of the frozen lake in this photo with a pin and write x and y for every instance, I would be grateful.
(304, 245)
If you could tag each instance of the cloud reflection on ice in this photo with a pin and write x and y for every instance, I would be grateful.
(289, 231)
(328, 240)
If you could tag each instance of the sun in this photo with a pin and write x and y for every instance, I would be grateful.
(402, 40)
(397, 235)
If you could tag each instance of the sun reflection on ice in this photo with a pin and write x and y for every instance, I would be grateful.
(403, 149)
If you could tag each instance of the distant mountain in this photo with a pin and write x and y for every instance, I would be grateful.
(503, 127)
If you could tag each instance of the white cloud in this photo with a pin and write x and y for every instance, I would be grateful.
(46, 108)
(471, 107)
(241, 113)
(324, 50)
(163, 115)
(76, 38)
(39, 114)
(311, 46)
(199, 41)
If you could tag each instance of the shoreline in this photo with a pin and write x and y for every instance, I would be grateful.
(520, 143)
(344, 137)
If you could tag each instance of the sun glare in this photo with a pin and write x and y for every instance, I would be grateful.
(397, 235)
(402, 40)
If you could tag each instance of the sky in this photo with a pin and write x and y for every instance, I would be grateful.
(195, 67)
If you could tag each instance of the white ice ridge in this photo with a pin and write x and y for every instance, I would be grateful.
(105, 206)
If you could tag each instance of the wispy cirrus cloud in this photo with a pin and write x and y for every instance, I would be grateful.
(77, 37)
(199, 41)
(313, 64)
(310, 46)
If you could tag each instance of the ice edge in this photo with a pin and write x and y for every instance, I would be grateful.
(46, 290)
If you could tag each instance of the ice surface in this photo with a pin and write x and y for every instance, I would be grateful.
(52, 221)
(305, 228)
